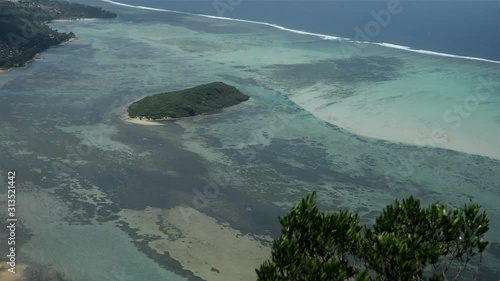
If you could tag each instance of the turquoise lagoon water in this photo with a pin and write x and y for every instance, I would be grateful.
(307, 127)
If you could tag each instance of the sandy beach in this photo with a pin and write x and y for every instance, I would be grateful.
(138, 121)
(37, 56)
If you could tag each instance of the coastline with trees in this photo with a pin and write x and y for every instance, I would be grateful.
(24, 29)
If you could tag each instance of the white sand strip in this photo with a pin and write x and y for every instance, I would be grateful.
(142, 122)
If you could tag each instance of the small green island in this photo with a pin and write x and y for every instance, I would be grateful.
(24, 31)
(202, 99)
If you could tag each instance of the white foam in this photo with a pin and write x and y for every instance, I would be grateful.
(322, 36)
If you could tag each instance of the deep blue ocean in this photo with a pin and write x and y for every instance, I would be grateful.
(468, 28)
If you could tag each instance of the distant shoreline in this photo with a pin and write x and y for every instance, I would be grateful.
(73, 20)
(25, 48)
(4, 70)
(139, 121)
(34, 58)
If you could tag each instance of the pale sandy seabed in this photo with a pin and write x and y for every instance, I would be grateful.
(203, 246)
(37, 55)
(367, 117)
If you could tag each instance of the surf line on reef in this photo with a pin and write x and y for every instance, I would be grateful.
(319, 35)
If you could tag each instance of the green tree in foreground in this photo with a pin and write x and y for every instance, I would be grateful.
(408, 242)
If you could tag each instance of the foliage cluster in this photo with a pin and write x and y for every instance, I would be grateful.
(407, 242)
(198, 100)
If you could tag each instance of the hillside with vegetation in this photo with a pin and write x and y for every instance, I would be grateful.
(24, 31)
(198, 100)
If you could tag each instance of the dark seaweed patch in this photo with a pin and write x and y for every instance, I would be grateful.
(350, 70)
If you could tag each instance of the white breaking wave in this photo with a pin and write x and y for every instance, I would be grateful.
(322, 36)
(394, 46)
(319, 35)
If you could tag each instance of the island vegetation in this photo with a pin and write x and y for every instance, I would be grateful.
(24, 30)
(407, 242)
(198, 100)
